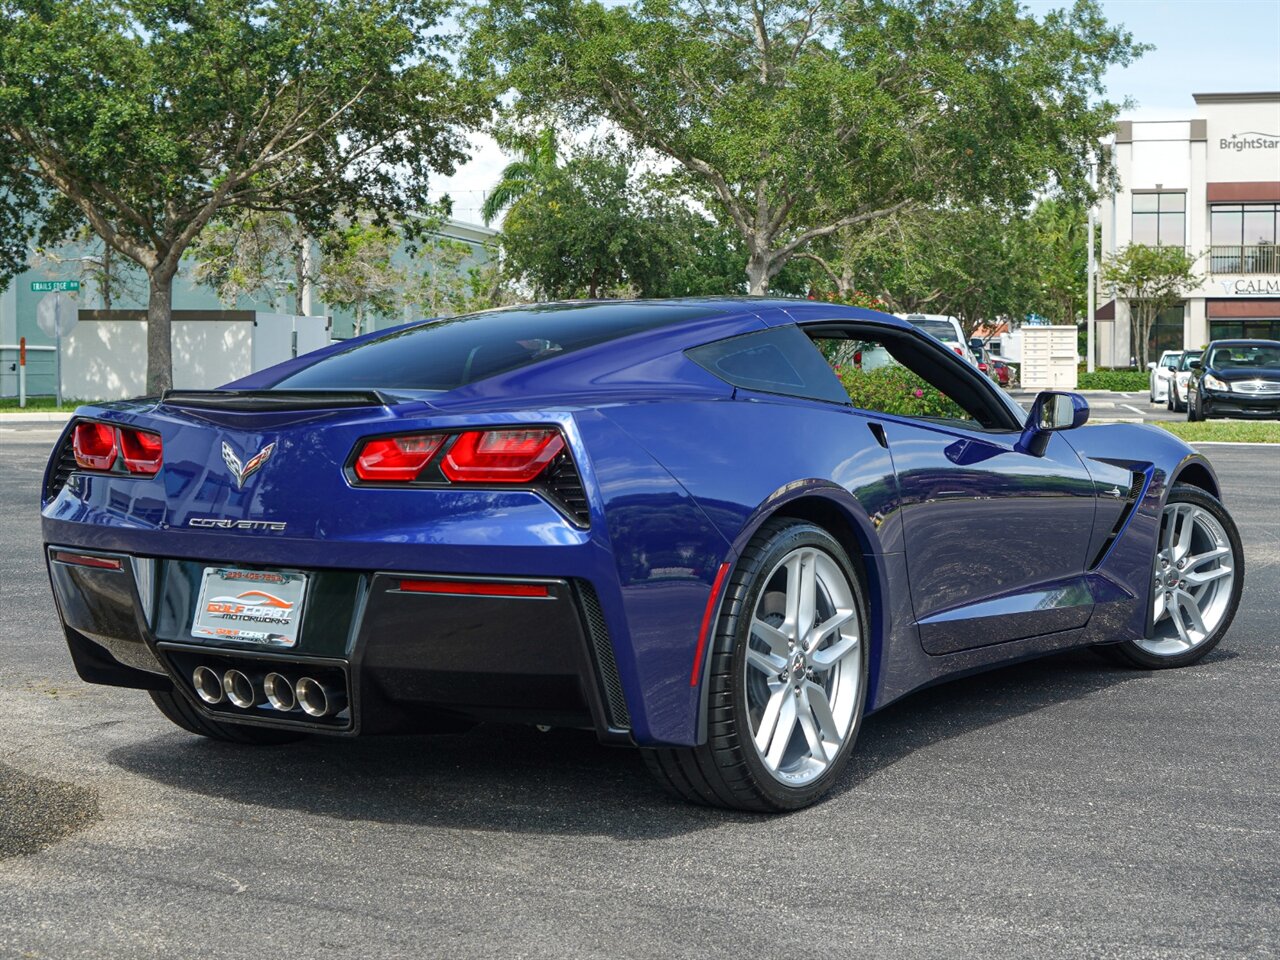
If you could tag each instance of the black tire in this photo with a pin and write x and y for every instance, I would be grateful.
(727, 770)
(1193, 410)
(1130, 652)
(175, 707)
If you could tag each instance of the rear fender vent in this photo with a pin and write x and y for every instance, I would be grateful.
(64, 463)
(606, 664)
(1137, 482)
(562, 483)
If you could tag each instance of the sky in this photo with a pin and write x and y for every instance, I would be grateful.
(1201, 46)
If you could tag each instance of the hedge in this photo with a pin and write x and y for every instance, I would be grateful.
(1128, 381)
(895, 389)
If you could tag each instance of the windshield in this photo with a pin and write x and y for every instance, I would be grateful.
(1264, 354)
(446, 354)
(937, 328)
(1185, 362)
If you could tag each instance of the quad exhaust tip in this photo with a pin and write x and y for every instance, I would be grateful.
(279, 691)
(316, 699)
(312, 697)
(208, 685)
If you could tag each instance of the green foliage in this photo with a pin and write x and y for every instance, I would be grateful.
(801, 119)
(1127, 381)
(1151, 279)
(148, 119)
(252, 255)
(1232, 431)
(357, 271)
(895, 389)
(536, 167)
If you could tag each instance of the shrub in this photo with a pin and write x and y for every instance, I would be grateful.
(1123, 380)
(895, 389)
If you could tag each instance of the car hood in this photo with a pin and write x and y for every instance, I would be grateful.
(1247, 373)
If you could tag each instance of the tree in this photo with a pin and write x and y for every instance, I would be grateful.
(147, 120)
(1055, 255)
(536, 166)
(253, 255)
(435, 282)
(804, 119)
(1151, 279)
(357, 271)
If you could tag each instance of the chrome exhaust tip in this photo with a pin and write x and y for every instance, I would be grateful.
(318, 700)
(208, 685)
(279, 691)
(240, 690)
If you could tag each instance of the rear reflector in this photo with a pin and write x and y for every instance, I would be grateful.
(501, 456)
(143, 451)
(396, 459)
(87, 560)
(475, 589)
(95, 445)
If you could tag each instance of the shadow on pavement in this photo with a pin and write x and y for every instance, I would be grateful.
(519, 780)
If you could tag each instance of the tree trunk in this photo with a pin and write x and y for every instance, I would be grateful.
(302, 278)
(359, 318)
(159, 335)
(758, 275)
(105, 279)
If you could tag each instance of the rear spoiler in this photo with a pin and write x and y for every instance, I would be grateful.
(270, 400)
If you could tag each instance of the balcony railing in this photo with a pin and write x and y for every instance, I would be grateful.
(1264, 258)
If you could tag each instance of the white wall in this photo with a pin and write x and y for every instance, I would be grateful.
(107, 359)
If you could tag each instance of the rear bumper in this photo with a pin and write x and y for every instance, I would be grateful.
(406, 661)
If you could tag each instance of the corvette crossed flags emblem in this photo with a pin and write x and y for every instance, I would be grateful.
(242, 473)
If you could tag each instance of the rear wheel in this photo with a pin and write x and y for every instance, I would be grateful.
(787, 680)
(1196, 583)
(183, 714)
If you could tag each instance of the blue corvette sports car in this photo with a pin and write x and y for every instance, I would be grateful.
(663, 521)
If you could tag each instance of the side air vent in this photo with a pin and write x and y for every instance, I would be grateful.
(64, 462)
(1137, 482)
(562, 482)
(606, 665)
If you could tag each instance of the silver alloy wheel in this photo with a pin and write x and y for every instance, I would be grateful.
(1194, 578)
(803, 666)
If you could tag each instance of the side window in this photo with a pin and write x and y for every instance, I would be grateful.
(780, 360)
(895, 374)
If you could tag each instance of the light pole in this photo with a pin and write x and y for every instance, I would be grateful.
(1090, 316)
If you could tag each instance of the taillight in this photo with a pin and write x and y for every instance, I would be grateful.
(396, 459)
(501, 456)
(94, 445)
(143, 452)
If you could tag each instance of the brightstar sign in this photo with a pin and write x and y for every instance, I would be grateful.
(1250, 140)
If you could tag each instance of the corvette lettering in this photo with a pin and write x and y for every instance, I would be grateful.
(217, 523)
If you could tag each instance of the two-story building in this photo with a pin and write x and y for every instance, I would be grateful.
(1210, 183)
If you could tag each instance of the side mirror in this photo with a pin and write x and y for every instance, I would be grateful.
(1051, 412)
(1193, 364)
(1151, 365)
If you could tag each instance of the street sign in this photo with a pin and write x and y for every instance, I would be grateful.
(49, 286)
(56, 314)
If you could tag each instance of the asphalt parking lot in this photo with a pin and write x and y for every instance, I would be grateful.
(1106, 405)
(1066, 807)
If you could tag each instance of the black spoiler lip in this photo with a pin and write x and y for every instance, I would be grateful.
(259, 401)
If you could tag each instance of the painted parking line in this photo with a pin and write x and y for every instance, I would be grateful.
(1134, 409)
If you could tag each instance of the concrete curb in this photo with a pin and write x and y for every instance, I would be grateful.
(35, 417)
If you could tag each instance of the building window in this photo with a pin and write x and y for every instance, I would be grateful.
(1166, 332)
(1160, 219)
(1250, 329)
(1243, 238)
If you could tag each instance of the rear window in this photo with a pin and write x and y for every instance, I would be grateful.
(451, 353)
(939, 329)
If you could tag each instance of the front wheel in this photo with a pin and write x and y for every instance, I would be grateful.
(787, 678)
(1196, 583)
(1193, 410)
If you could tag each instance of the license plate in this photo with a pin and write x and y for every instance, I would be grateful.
(260, 606)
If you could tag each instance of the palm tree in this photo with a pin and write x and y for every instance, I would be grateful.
(537, 162)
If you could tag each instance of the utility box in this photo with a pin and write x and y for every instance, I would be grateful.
(1049, 358)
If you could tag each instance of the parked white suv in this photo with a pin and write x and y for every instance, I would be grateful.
(1162, 373)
